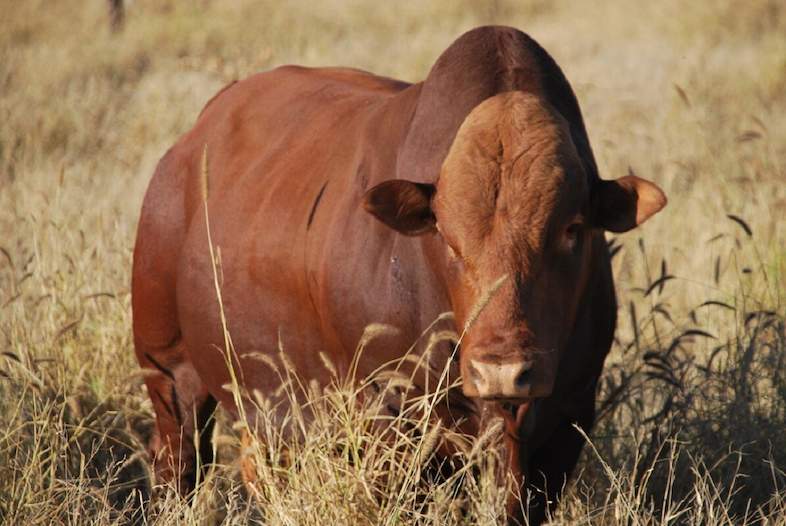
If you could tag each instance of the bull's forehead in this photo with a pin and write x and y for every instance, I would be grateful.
(511, 172)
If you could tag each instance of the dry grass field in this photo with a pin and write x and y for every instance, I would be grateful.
(692, 408)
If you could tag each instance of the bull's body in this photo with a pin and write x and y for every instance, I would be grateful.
(290, 154)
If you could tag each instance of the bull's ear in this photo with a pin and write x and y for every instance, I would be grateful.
(625, 203)
(403, 206)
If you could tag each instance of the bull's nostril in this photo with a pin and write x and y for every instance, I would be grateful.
(524, 376)
(477, 378)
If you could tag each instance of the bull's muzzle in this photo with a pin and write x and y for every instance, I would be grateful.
(503, 381)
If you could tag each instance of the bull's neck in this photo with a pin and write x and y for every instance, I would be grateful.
(479, 65)
(384, 132)
(435, 122)
(434, 252)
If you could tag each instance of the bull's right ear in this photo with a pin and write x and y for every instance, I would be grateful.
(402, 205)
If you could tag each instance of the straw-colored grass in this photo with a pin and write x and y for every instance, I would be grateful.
(692, 405)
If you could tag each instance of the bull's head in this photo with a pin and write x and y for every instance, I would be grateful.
(516, 215)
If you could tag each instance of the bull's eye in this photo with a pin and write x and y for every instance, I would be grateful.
(572, 233)
(453, 254)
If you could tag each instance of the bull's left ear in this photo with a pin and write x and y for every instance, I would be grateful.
(625, 203)
(402, 205)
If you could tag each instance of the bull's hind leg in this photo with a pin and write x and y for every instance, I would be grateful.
(184, 415)
(182, 404)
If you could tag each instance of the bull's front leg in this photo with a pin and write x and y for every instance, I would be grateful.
(548, 466)
(517, 423)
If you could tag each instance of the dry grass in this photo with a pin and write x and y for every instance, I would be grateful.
(693, 401)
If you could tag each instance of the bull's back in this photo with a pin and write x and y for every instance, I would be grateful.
(289, 115)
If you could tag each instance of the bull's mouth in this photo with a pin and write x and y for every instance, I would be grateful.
(507, 400)
(511, 409)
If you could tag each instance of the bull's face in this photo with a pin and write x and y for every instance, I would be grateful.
(516, 216)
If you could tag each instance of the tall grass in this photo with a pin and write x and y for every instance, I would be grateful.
(692, 403)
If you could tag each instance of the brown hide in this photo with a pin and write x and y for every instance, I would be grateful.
(291, 153)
